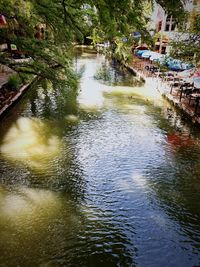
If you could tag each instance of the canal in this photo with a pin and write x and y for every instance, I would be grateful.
(106, 176)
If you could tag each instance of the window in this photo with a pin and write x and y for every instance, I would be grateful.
(173, 26)
(167, 27)
(170, 24)
(159, 26)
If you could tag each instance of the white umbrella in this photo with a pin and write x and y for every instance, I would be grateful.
(156, 56)
(148, 54)
(197, 82)
(186, 73)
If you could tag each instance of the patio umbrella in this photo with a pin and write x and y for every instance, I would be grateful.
(161, 60)
(168, 60)
(196, 81)
(176, 65)
(156, 56)
(197, 74)
(147, 54)
(150, 54)
(140, 52)
(186, 73)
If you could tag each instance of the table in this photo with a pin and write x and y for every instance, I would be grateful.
(197, 99)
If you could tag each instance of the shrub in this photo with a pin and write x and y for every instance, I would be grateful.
(24, 77)
(13, 82)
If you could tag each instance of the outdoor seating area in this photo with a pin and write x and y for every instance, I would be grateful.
(162, 60)
(187, 93)
(182, 79)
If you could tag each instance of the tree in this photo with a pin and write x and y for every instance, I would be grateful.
(65, 22)
(62, 25)
(120, 19)
(188, 47)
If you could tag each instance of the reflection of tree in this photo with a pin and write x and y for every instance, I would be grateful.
(55, 103)
(43, 158)
(115, 75)
(51, 101)
(45, 131)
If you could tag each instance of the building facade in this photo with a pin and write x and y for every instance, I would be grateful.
(163, 26)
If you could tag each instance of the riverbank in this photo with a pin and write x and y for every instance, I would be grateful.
(165, 89)
(10, 98)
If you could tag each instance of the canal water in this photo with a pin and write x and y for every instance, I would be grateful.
(105, 176)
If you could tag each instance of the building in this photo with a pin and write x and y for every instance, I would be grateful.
(163, 27)
(193, 7)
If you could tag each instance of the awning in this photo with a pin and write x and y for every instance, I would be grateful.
(186, 73)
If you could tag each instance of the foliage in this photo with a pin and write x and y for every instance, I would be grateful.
(119, 19)
(14, 82)
(25, 78)
(122, 50)
(66, 22)
(51, 51)
(188, 48)
(96, 37)
(175, 8)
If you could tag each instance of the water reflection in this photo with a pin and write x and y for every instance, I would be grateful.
(36, 226)
(125, 188)
(29, 140)
(178, 165)
(112, 74)
(22, 203)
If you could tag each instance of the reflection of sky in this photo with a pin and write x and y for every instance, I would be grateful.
(35, 225)
(25, 202)
(91, 96)
(29, 141)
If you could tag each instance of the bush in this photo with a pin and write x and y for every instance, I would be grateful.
(24, 77)
(14, 82)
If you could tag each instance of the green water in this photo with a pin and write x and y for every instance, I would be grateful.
(109, 179)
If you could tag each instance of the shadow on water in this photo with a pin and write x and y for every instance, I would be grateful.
(43, 228)
(179, 174)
